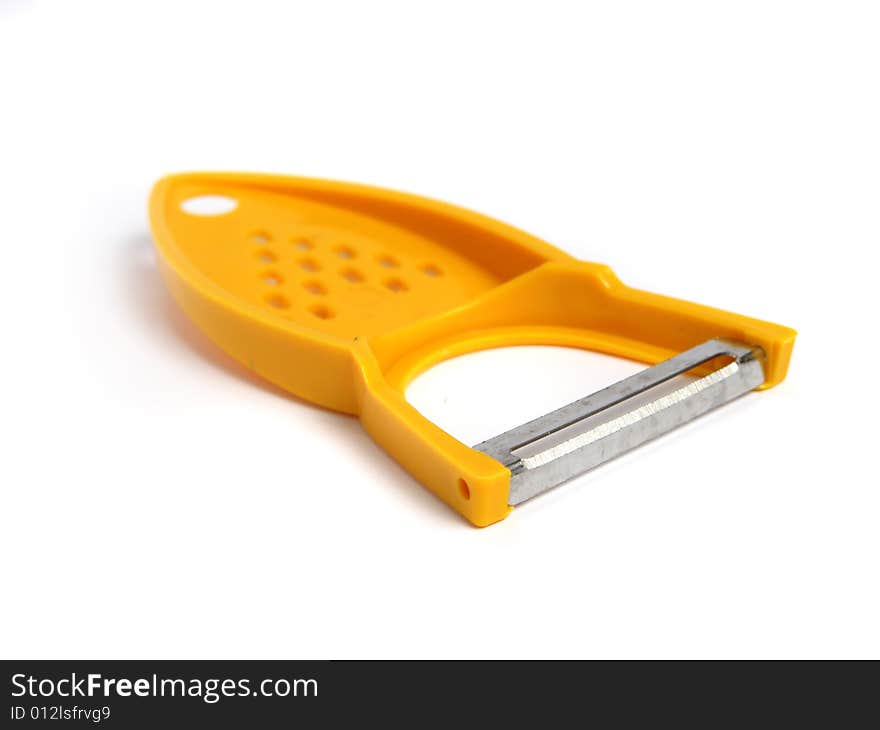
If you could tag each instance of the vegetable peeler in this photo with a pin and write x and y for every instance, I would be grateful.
(341, 294)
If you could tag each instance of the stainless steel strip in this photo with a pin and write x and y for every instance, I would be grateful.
(578, 437)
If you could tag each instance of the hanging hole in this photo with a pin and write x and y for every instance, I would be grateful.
(463, 489)
(344, 252)
(353, 275)
(431, 270)
(303, 244)
(388, 262)
(266, 256)
(278, 301)
(309, 265)
(322, 311)
(209, 205)
(315, 287)
(396, 285)
(272, 278)
(259, 237)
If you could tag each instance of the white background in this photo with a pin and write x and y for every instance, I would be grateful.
(157, 501)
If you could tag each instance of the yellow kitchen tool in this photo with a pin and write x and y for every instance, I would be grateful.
(341, 294)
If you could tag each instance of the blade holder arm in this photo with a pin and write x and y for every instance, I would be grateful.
(571, 440)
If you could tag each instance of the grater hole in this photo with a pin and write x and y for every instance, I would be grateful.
(388, 262)
(279, 301)
(315, 287)
(322, 311)
(396, 285)
(303, 244)
(259, 237)
(345, 252)
(352, 275)
(272, 278)
(309, 265)
(266, 256)
(432, 270)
